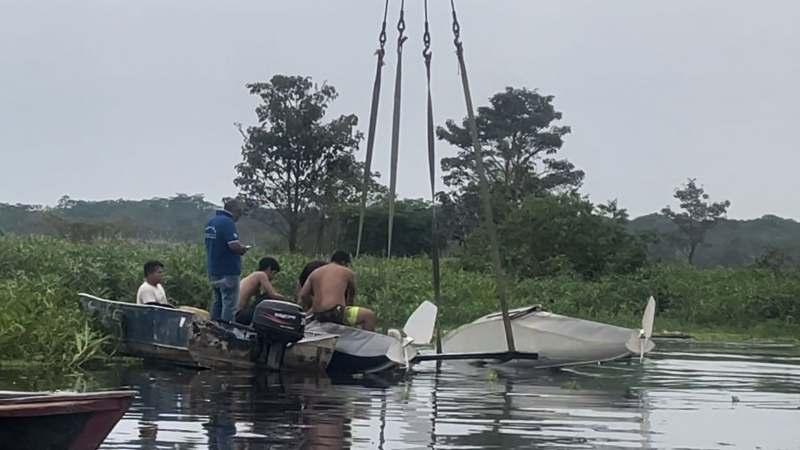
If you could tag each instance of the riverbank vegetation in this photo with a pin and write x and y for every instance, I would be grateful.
(559, 249)
(40, 320)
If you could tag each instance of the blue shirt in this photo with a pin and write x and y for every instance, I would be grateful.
(220, 260)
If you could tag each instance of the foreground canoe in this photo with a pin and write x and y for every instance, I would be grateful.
(60, 420)
(558, 340)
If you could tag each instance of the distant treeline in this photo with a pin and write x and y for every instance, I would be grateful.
(768, 241)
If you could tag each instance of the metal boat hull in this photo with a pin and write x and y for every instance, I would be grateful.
(186, 338)
(216, 346)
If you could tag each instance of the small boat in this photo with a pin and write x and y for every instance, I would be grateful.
(149, 331)
(557, 340)
(214, 345)
(183, 336)
(59, 420)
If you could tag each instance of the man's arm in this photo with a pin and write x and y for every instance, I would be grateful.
(237, 247)
(305, 295)
(231, 237)
(350, 294)
(266, 288)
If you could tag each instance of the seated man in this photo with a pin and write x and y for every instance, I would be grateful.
(310, 267)
(259, 285)
(151, 292)
(331, 290)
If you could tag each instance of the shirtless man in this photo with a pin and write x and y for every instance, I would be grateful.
(301, 281)
(331, 290)
(258, 284)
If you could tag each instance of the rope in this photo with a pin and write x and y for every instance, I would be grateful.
(401, 39)
(373, 119)
(437, 296)
(488, 215)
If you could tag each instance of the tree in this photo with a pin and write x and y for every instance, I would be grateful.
(553, 234)
(519, 140)
(412, 228)
(698, 216)
(292, 160)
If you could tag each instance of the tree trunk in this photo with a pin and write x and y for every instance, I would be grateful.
(692, 248)
(320, 233)
(293, 227)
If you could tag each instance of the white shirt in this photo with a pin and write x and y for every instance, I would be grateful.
(148, 293)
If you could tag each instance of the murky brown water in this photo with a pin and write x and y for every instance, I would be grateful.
(685, 396)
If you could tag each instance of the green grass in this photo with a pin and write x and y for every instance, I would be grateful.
(40, 320)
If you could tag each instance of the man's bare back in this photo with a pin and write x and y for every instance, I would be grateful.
(256, 284)
(250, 286)
(329, 286)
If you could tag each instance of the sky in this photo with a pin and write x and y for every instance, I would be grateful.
(105, 99)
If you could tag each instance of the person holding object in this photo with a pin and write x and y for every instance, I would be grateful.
(224, 260)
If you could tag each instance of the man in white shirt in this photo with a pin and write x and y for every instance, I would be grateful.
(151, 291)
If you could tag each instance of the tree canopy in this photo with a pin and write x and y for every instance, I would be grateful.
(561, 233)
(699, 215)
(293, 160)
(519, 140)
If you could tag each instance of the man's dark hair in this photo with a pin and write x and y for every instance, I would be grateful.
(152, 266)
(269, 262)
(341, 257)
(310, 267)
(232, 205)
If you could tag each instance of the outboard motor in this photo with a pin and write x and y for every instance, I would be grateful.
(277, 324)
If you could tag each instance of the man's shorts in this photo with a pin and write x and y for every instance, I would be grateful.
(347, 315)
(350, 317)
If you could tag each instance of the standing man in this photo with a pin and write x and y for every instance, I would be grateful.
(224, 260)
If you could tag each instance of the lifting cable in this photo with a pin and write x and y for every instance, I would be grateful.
(488, 215)
(427, 55)
(373, 119)
(401, 39)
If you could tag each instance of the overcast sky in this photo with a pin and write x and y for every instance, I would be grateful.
(137, 99)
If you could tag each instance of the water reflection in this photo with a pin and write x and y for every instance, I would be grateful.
(687, 395)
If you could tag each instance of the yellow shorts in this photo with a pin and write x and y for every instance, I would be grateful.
(350, 316)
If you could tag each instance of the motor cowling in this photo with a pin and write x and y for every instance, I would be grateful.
(278, 321)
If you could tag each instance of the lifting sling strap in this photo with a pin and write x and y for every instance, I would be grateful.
(427, 55)
(488, 215)
(401, 39)
(373, 119)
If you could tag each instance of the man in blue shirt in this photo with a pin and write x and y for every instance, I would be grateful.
(224, 260)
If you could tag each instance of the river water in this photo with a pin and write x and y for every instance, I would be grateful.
(685, 395)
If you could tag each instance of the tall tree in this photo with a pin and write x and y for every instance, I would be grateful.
(292, 158)
(520, 138)
(519, 141)
(699, 215)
